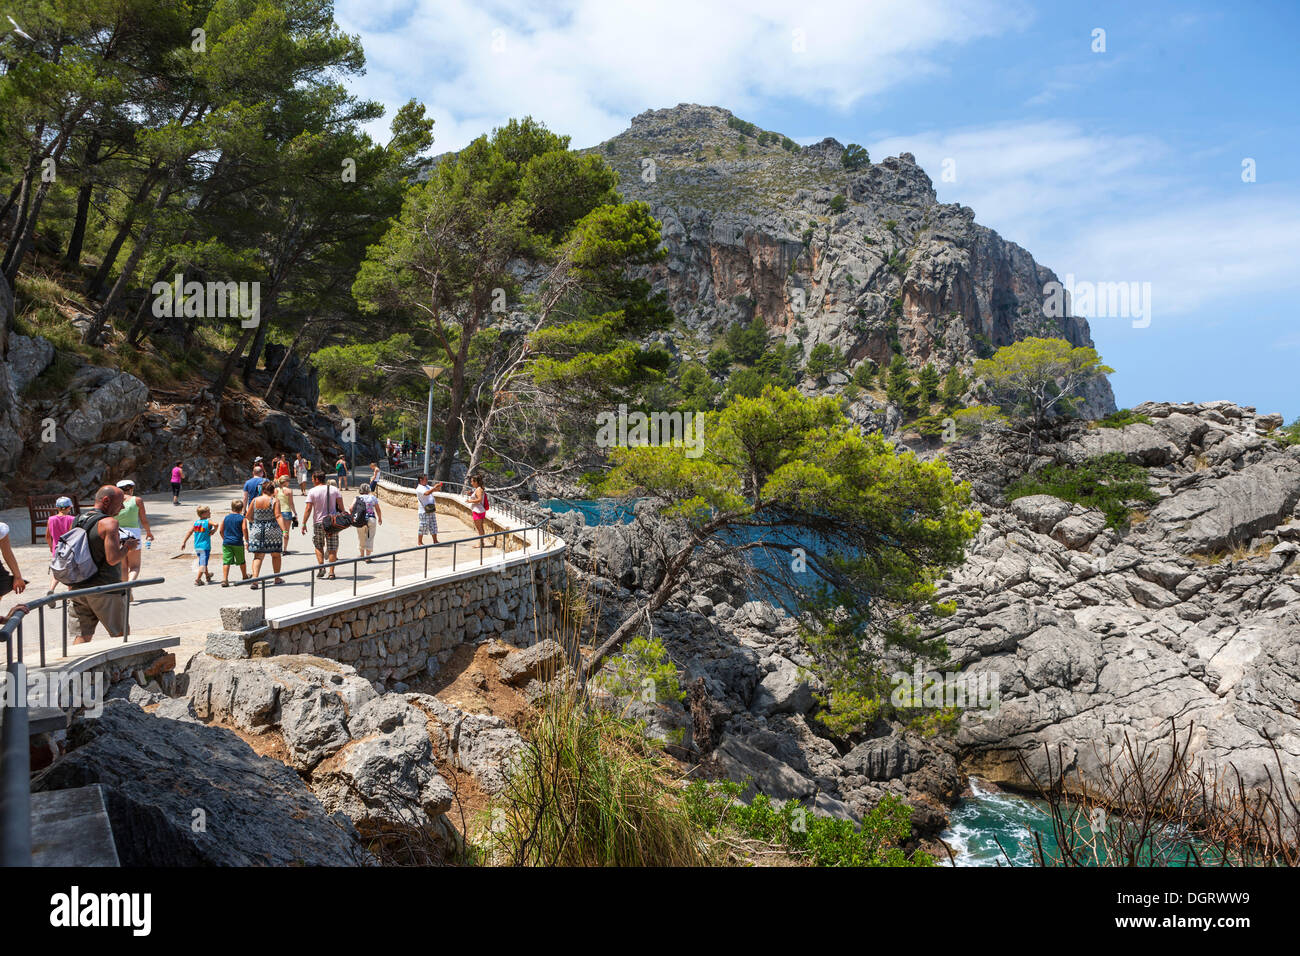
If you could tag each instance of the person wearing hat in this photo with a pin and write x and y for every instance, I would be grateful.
(56, 527)
(131, 519)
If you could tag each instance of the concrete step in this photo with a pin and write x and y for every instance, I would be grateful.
(71, 828)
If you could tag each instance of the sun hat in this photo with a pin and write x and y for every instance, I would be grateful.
(126, 483)
(64, 502)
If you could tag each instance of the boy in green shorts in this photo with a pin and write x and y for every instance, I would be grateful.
(234, 535)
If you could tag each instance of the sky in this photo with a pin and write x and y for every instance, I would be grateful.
(1154, 144)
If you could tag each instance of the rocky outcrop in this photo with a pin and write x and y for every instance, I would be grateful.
(858, 259)
(1097, 634)
(229, 807)
(372, 757)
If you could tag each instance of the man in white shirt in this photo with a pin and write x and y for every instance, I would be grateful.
(426, 502)
(300, 472)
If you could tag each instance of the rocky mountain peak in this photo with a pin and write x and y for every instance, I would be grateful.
(865, 259)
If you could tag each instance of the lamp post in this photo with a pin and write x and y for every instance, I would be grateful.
(433, 371)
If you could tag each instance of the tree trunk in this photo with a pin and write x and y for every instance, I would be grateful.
(228, 368)
(279, 369)
(139, 327)
(451, 435)
(72, 258)
(123, 231)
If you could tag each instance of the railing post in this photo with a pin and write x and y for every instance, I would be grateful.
(354, 577)
(15, 782)
(41, 618)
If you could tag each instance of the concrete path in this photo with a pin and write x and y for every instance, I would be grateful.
(178, 607)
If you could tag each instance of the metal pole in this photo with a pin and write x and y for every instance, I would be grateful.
(15, 782)
(428, 429)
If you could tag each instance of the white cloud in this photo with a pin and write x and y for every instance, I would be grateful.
(585, 66)
(1103, 208)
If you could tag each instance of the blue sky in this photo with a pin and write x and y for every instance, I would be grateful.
(1115, 166)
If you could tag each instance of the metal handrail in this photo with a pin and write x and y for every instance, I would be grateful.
(544, 537)
(15, 756)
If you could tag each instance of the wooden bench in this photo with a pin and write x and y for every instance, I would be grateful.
(41, 507)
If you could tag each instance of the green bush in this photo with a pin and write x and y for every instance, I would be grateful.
(589, 790)
(1122, 417)
(643, 665)
(1108, 483)
(821, 841)
(1289, 435)
(839, 203)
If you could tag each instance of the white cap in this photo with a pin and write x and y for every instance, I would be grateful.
(126, 483)
(64, 502)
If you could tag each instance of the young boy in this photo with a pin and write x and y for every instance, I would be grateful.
(202, 531)
(234, 535)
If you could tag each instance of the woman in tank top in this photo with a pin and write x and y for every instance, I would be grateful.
(265, 536)
(132, 520)
(287, 513)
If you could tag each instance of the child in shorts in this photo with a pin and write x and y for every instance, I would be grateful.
(202, 531)
(234, 535)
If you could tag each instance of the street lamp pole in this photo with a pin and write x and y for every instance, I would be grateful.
(433, 371)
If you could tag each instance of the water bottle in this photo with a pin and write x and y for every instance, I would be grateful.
(148, 544)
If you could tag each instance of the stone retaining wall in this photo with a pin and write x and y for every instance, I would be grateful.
(397, 636)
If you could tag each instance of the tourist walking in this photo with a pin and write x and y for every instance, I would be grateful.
(374, 476)
(134, 521)
(281, 466)
(56, 526)
(203, 530)
(265, 536)
(478, 505)
(322, 502)
(234, 534)
(374, 517)
(11, 579)
(253, 486)
(287, 512)
(259, 469)
(427, 504)
(178, 475)
(341, 472)
(108, 549)
(300, 472)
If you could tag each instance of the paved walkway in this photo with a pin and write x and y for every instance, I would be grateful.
(179, 607)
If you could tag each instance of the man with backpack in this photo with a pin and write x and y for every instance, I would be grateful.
(325, 509)
(105, 547)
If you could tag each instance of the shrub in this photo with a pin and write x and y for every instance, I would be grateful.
(839, 203)
(854, 157)
(1290, 434)
(589, 790)
(819, 840)
(864, 374)
(1108, 483)
(643, 662)
(1122, 417)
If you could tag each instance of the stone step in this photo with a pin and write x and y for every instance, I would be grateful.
(71, 828)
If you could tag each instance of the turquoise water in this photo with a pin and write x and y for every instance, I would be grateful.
(977, 824)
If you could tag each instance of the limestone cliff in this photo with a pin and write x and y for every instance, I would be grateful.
(754, 224)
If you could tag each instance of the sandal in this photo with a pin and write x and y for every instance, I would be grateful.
(279, 580)
(225, 584)
(254, 586)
